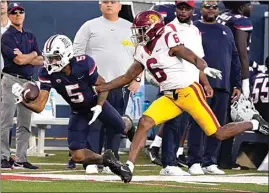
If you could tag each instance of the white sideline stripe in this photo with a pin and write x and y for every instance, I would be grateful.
(63, 164)
(210, 184)
(40, 181)
(62, 171)
(207, 179)
(51, 172)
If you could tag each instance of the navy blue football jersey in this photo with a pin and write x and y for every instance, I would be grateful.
(75, 88)
(236, 22)
(260, 94)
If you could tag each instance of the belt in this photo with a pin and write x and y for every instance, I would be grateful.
(171, 92)
(19, 76)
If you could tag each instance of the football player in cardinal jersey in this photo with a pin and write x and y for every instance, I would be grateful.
(162, 53)
(237, 19)
(74, 78)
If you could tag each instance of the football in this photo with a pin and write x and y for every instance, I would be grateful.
(30, 91)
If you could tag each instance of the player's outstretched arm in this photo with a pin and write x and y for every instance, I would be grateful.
(38, 105)
(182, 52)
(135, 69)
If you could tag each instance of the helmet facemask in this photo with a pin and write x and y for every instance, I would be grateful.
(139, 35)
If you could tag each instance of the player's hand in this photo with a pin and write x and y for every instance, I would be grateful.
(212, 72)
(96, 111)
(208, 91)
(134, 86)
(235, 95)
(17, 92)
(17, 52)
(245, 87)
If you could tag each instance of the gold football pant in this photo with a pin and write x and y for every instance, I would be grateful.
(190, 99)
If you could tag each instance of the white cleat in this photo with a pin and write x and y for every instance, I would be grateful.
(173, 171)
(196, 169)
(213, 169)
(91, 169)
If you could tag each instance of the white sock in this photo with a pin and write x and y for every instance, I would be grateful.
(180, 151)
(255, 124)
(130, 165)
(157, 142)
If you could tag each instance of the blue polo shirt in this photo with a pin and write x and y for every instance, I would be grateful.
(25, 41)
(221, 53)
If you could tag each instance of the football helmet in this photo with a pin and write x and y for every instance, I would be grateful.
(58, 50)
(146, 26)
(242, 109)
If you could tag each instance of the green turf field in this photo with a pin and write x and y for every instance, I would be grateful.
(53, 177)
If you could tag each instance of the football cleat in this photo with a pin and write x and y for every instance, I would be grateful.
(118, 168)
(263, 125)
(153, 154)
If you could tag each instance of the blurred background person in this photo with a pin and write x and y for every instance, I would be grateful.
(19, 61)
(236, 17)
(203, 150)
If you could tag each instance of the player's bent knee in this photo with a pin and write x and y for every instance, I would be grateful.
(78, 156)
(146, 122)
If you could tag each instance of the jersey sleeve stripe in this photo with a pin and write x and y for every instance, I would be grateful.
(244, 28)
(166, 38)
(92, 69)
(172, 26)
(42, 80)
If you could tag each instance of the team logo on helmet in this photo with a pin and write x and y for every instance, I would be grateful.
(153, 18)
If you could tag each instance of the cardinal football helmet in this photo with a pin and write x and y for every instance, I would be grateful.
(58, 50)
(146, 26)
(242, 109)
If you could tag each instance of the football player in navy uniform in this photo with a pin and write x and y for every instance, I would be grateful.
(74, 78)
(260, 92)
(237, 19)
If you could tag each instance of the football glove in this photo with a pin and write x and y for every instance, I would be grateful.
(96, 111)
(212, 72)
(17, 92)
(245, 87)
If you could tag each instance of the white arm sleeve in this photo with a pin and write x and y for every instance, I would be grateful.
(82, 37)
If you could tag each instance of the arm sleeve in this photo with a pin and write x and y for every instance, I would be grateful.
(8, 45)
(172, 39)
(235, 66)
(243, 24)
(82, 37)
(44, 79)
(92, 71)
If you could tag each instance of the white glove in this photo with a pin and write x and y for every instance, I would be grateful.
(212, 72)
(17, 92)
(96, 111)
(245, 87)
